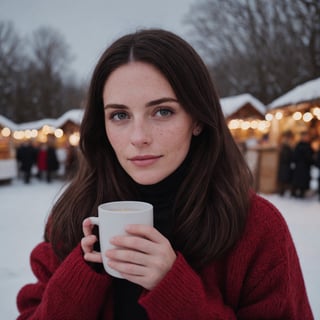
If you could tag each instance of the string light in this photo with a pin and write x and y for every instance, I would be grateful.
(279, 115)
(269, 116)
(5, 132)
(297, 115)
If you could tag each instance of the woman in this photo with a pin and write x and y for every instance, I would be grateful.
(153, 130)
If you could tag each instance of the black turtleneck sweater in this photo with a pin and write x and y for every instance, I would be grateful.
(161, 195)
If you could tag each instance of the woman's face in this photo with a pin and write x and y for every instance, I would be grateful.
(147, 127)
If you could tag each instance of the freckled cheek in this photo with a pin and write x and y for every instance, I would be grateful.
(175, 139)
(165, 136)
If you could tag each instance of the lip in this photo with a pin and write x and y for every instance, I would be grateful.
(144, 160)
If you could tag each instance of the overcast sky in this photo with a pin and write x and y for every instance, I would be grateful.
(89, 26)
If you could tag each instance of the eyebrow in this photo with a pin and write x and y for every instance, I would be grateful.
(159, 101)
(149, 104)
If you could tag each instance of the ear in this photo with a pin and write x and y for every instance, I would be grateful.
(197, 129)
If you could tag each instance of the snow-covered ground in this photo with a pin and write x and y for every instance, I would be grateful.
(24, 209)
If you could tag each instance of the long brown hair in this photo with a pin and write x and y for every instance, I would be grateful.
(213, 201)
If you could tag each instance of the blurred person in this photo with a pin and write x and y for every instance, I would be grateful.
(284, 175)
(302, 160)
(26, 158)
(42, 161)
(154, 131)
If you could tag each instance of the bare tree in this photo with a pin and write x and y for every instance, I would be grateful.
(257, 46)
(49, 59)
(11, 62)
(307, 12)
(35, 81)
(50, 50)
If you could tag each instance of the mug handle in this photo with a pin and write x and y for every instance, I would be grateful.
(94, 220)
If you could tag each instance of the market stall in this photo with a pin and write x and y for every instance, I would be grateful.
(8, 163)
(245, 117)
(298, 110)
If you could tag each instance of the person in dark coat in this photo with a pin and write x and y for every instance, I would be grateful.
(26, 157)
(302, 159)
(285, 163)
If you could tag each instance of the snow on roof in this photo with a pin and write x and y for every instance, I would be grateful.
(305, 92)
(74, 115)
(232, 104)
(5, 122)
(35, 124)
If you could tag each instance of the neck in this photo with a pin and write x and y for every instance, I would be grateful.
(162, 196)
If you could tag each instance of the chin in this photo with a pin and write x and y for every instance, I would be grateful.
(148, 180)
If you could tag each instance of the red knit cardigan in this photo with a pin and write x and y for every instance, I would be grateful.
(259, 279)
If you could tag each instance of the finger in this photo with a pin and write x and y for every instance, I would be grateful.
(93, 256)
(134, 243)
(127, 269)
(88, 242)
(87, 227)
(145, 231)
(89, 254)
(128, 256)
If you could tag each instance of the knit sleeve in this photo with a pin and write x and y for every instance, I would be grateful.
(181, 295)
(70, 290)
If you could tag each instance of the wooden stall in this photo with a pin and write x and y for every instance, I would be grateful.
(298, 110)
(245, 117)
(8, 163)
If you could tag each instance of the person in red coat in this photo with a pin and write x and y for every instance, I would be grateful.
(153, 130)
(42, 161)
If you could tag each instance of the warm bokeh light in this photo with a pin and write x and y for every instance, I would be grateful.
(307, 116)
(18, 135)
(254, 124)
(58, 133)
(245, 125)
(5, 132)
(27, 134)
(269, 116)
(48, 129)
(316, 112)
(74, 139)
(297, 115)
(263, 125)
(279, 115)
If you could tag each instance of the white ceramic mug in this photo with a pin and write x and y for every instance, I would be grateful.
(112, 219)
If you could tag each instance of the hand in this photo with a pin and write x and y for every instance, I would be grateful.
(88, 241)
(144, 256)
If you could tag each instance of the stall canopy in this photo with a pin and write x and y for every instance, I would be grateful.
(244, 115)
(242, 106)
(62, 127)
(298, 110)
(74, 116)
(306, 92)
(6, 123)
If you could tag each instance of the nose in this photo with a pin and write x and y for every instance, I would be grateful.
(140, 134)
